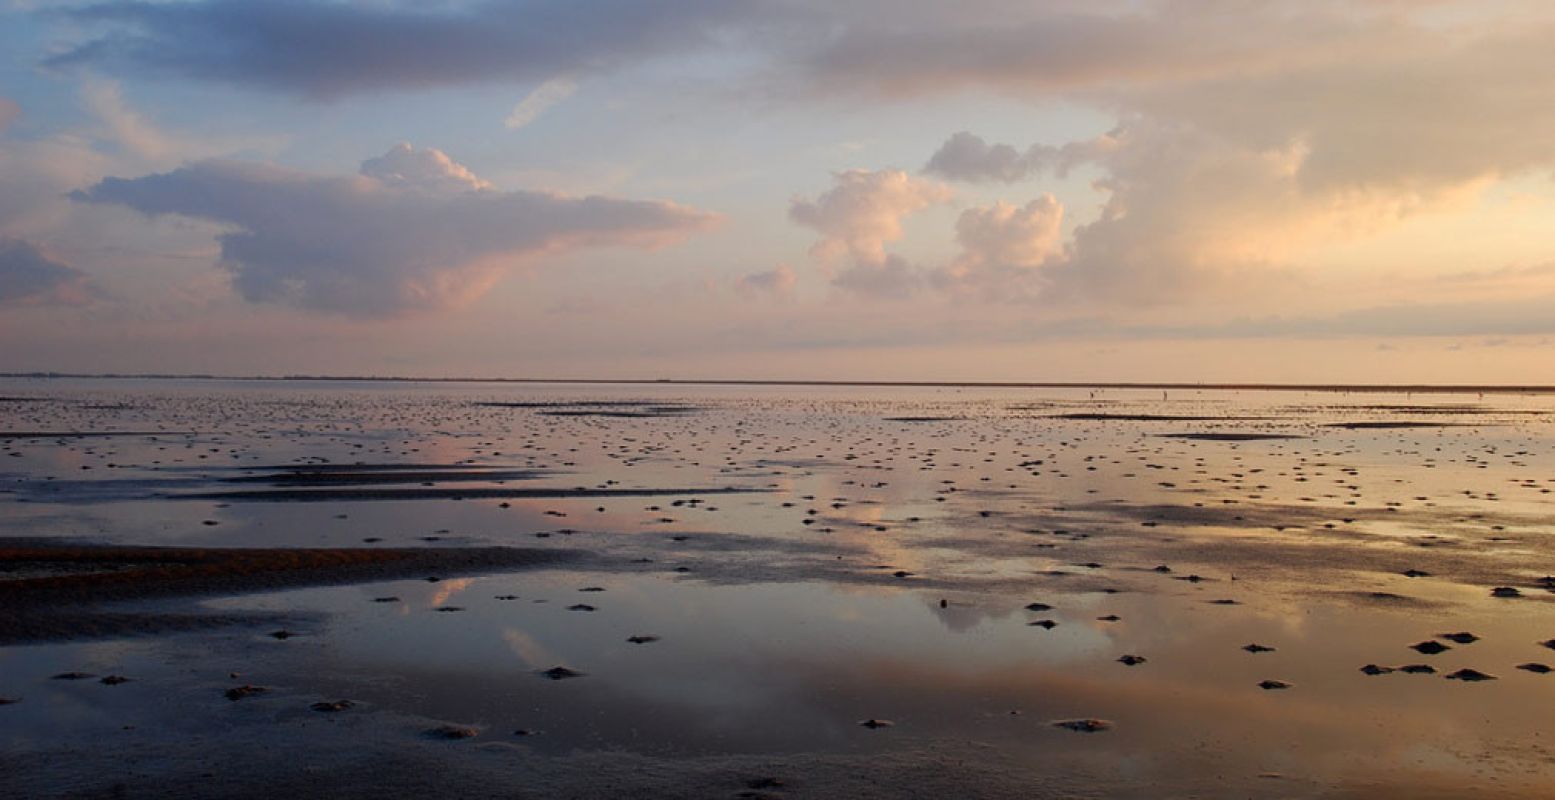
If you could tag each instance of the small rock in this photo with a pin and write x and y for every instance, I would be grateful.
(581, 607)
(451, 732)
(873, 723)
(1257, 648)
(386, 599)
(1270, 685)
(1535, 667)
(282, 635)
(114, 680)
(1505, 591)
(1418, 669)
(1131, 660)
(642, 639)
(237, 693)
(1373, 669)
(560, 673)
(1045, 624)
(330, 708)
(1038, 607)
(1429, 648)
(1083, 725)
(1463, 637)
(73, 676)
(1471, 675)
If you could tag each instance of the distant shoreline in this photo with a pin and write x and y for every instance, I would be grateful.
(1421, 388)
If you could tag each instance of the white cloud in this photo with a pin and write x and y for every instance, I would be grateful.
(428, 169)
(1004, 247)
(858, 216)
(538, 101)
(415, 231)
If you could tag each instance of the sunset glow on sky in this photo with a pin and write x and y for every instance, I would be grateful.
(1150, 190)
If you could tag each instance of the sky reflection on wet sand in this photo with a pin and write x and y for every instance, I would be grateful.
(903, 598)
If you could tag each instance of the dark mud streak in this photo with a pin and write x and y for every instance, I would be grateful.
(1391, 425)
(310, 477)
(448, 493)
(1230, 437)
(1096, 416)
(80, 604)
(86, 434)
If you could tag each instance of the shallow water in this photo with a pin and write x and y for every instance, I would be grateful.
(872, 558)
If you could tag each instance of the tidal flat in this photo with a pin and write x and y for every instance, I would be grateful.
(352, 589)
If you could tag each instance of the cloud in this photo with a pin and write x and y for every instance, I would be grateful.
(30, 277)
(779, 282)
(413, 232)
(892, 278)
(34, 177)
(405, 167)
(1189, 210)
(1249, 136)
(966, 157)
(1049, 49)
(543, 97)
(125, 131)
(1004, 247)
(859, 215)
(9, 112)
(331, 50)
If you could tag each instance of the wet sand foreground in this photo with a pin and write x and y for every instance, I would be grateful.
(54, 592)
(357, 590)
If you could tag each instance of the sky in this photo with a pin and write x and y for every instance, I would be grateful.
(1000, 190)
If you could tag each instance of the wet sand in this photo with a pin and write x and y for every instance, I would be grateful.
(58, 592)
(787, 593)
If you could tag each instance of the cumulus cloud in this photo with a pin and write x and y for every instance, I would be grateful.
(1004, 246)
(1188, 209)
(328, 50)
(427, 169)
(415, 231)
(858, 216)
(1249, 135)
(30, 277)
(779, 282)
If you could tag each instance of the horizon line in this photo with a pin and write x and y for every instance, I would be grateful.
(1162, 385)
